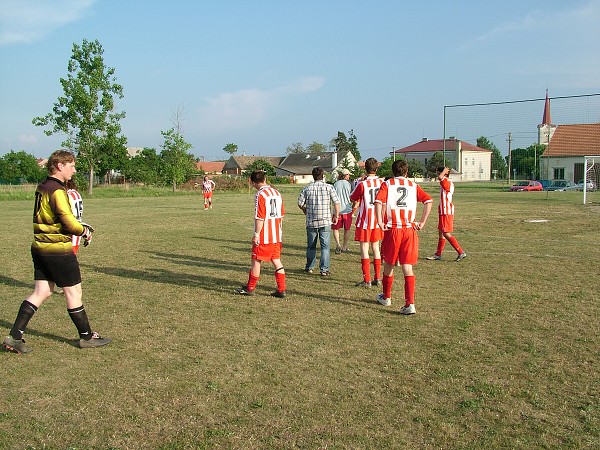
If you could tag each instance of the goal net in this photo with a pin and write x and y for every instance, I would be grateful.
(591, 180)
(544, 139)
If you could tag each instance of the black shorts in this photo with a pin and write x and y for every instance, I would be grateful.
(62, 269)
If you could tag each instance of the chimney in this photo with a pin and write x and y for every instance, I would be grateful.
(334, 161)
(424, 139)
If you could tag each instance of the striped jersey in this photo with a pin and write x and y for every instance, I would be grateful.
(269, 208)
(365, 193)
(208, 186)
(53, 220)
(77, 210)
(400, 197)
(446, 192)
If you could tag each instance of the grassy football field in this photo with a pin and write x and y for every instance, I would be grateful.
(502, 353)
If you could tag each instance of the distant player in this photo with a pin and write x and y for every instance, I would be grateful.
(267, 238)
(208, 186)
(368, 233)
(446, 217)
(397, 201)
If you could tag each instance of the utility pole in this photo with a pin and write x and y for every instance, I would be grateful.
(509, 157)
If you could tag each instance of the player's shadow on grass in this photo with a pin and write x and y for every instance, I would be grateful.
(52, 337)
(163, 276)
(14, 283)
(245, 245)
(198, 261)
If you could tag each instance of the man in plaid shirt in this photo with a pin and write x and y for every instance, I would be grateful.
(315, 201)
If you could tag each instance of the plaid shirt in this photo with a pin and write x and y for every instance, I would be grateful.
(317, 197)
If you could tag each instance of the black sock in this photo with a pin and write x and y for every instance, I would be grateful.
(79, 318)
(26, 312)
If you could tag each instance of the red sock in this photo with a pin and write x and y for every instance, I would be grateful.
(280, 280)
(440, 248)
(252, 281)
(454, 243)
(409, 290)
(387, 286)
(366, 269)
(377, 268)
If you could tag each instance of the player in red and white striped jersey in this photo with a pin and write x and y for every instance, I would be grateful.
(267, 239)
(446, 217)
(208, 187)
(77, 209)
(396, 210)
(368, 233)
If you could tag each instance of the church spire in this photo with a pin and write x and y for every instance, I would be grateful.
(546, 120)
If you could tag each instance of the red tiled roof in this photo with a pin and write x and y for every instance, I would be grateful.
(575, 140)
(437, 145)
(210, 166)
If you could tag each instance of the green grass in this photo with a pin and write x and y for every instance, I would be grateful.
(502, 353)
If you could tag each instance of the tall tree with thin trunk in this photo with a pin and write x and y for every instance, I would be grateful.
(86, 113)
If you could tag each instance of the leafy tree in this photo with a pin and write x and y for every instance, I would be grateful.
(437, 160)
(498, 162)
(16, 167)
(85, 114)
(526, 161)
(415, 168)
(144, 168)
(385, 167)
(347, 144)
(296, 147)
(177, 163)
(231, 149)
(316, 148)
(259, 164)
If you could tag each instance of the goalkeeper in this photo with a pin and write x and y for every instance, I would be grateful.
(54, 262)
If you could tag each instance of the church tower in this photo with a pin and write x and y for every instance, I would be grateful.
(546, 129)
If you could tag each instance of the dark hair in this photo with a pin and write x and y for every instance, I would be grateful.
(440, 169)
(70, 184)
(371, 165)
(257, 176)
(59, 157)
(317, 173)
(400, 168)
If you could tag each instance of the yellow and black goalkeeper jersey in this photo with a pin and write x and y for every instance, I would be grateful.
(53, 221)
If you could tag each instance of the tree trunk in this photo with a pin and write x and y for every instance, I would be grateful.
(91, 183)
(174, 185)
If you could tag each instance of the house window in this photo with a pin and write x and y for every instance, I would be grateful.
(559, 173)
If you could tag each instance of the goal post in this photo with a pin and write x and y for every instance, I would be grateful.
(591, 176)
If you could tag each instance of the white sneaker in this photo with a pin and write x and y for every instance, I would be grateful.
(384, 301)
(408, 310)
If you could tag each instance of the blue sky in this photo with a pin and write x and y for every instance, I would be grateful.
(264, 74)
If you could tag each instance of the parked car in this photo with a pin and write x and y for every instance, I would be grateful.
(545, 184)
(561, 185)
(591, 186)
(526, 185)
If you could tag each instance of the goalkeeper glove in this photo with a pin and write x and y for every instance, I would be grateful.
(87, 234)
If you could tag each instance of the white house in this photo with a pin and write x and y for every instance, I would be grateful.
(472, 163)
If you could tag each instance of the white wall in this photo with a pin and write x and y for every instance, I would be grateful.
(476, 166)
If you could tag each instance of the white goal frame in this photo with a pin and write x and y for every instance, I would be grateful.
(587, 167)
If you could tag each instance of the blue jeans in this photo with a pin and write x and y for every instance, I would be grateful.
(324, 235)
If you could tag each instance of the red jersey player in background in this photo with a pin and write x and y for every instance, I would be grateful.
(208, 187)
(446, 217)
(399, 196)
(368, 233)
(77, 209)
(267, 238)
